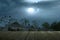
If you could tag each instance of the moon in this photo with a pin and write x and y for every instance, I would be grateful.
(31, 10)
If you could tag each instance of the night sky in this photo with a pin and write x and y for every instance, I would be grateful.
(43, 10)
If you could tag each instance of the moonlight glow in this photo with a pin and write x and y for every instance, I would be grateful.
(33, 1)
(36, 1)
(31, 10)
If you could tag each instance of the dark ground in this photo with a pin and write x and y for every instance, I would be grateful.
(32, 35)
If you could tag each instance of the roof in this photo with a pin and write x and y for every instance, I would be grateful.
(15, 24)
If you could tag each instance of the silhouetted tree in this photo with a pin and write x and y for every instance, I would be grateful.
(18, 29)
(39, 29)
(35, 24)
(1, 28)
(31, 28)
(58, 26)
(9, 16)
(26, 21)
(9, 29)
(46, 26)
(1, 19)
(55, 26)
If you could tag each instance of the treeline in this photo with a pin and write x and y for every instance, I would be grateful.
(55, 26)
(25, 25)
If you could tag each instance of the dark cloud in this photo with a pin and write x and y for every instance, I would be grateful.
(16, 8)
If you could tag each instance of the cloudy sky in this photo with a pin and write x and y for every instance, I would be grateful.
(44, 10)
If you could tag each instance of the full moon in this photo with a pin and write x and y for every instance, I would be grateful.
(30, 10)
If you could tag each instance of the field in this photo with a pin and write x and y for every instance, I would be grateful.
(32, 35)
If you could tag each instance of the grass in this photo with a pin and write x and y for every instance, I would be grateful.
(32, 35)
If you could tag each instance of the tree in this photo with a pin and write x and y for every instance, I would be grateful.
(18, 29)
(55, 26)
(1, 28)
(39, 29)
(9, 28)
(58, 26)
(1, 19)
(46, 26)
(32, 28)
(26, 21)
(35, 24)
(9, 16)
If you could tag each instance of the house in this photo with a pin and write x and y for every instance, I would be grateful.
(15, 26)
